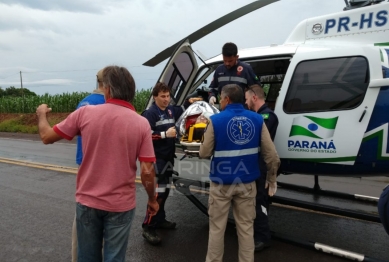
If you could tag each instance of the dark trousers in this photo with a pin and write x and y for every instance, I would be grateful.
(163, 190)
(383, 208)
(261, 221)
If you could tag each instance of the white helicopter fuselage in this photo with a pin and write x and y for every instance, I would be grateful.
(328, 84)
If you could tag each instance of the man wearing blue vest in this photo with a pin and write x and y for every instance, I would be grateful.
(96, 98)
(234, 138)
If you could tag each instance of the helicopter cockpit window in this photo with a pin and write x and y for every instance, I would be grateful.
(178, 74)
(327, 85)
(203, 77)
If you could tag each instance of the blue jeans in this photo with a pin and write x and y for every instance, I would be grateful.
(94, 226)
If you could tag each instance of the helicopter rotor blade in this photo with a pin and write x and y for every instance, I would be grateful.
(205, 30)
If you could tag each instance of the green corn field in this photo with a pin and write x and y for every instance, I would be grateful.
(63, 103)
(141, 99)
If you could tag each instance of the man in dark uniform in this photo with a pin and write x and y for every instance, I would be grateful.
(255, 101)
(232, 71)
(162, 118)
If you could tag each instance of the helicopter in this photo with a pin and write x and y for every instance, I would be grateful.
(328, 84)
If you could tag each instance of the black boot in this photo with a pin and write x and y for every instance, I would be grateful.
(151, 236)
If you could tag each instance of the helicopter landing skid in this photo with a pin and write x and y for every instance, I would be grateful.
(184, 185)
(318, 191)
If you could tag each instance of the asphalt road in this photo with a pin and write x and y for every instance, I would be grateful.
(37, 210)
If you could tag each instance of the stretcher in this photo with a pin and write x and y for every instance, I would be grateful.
(191, 126)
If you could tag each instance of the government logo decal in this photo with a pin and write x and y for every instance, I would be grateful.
(314, 127)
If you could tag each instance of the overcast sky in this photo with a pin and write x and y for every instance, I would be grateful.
(59, 45)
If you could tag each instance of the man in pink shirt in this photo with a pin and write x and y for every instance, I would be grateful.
(114, 137)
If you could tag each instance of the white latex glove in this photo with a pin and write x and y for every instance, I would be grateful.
(212, 100)
(171, 132)
(272, 187)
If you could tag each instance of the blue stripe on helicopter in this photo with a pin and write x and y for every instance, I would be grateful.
(370, 150)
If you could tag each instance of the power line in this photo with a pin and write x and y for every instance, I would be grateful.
(9, 76)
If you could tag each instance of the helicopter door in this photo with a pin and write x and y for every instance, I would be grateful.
(179, 72)
(326, 102)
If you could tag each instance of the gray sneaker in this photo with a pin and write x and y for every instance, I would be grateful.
(151, 236)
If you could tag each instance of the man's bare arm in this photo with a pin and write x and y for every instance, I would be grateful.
(46, 132)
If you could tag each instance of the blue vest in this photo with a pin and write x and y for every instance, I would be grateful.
(92, 99)
(237, 142)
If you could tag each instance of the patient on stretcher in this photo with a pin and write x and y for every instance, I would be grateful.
(191, 126)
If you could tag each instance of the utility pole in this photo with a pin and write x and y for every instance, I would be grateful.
(21, 86)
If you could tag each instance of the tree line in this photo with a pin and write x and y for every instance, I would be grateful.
(15, 92)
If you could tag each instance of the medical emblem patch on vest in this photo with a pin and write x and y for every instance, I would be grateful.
(240, 130)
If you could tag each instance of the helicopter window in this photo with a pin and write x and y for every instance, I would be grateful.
(203, 77)
(327, 85)
(272, 72)
(271, 86)
(178, 74)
